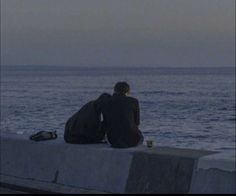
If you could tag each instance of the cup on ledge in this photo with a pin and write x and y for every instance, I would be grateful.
(149, 141)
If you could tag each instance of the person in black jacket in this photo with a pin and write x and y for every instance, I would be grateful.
(85, 126)
(121, 118)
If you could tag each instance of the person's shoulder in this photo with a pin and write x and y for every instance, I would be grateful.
(88, 104)
(102, 99)
(133, 99)
(104, 96)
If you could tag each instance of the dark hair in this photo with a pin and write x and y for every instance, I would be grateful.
(121, 88)
(100, 101)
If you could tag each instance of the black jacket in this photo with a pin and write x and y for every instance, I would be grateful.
(121, 117)
(85, 126)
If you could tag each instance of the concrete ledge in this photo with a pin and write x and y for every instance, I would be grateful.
(27, 185)
(55, 166)
(214, 174)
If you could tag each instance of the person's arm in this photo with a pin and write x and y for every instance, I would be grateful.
(137, 113)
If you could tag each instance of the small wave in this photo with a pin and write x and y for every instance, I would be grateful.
(213, 120)
(226, 148)
(232, 119)
(147, 132)
(223, 109)
(147, 102)
(194, 136)
(161, 93)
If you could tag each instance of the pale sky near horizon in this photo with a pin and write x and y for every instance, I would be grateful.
(171, 33)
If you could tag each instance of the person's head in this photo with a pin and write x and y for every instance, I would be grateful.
(121, 88)
(99, 102)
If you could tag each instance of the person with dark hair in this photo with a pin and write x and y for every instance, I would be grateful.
(85, 126)
(121, 118)
(122, 88)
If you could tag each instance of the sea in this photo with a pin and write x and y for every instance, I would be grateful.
(179, 107)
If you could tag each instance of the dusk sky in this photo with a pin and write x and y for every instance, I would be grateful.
(138, 33)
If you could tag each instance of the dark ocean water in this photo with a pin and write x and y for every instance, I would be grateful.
(180, 107)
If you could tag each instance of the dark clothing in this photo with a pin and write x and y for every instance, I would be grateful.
(85, 125)
(121, 117)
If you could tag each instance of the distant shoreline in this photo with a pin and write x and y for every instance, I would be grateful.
(119, 67)
(8, 67)
(78, 70)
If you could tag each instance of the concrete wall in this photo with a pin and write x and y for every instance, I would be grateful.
(55, 166)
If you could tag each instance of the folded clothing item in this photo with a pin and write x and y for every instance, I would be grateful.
(43, 135)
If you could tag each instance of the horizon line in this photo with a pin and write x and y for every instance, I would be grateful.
(135, 67)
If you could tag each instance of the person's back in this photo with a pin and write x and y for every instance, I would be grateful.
(121, 117)
(85, 125)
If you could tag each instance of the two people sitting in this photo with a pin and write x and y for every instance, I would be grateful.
(115, 116)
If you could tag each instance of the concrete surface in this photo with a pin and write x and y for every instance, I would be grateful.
(10, 191)
(55, 166)
(214, 174)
